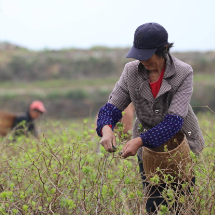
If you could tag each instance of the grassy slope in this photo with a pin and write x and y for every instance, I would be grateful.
(65, 84)
(80, 96)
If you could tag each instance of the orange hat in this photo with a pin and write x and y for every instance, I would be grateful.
(37, 105)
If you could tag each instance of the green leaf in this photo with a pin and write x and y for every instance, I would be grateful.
(25, 207)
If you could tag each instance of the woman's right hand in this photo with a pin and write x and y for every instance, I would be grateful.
(108, 140)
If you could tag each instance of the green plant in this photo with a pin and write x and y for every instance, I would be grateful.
(62, 173)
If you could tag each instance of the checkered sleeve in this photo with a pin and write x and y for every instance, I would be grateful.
(162, 132)
(108, 115)
(181, 99)
(120, 96)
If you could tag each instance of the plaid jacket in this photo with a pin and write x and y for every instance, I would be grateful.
(173, 98)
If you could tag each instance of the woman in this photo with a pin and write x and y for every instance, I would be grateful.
(160, 87)
(35, 111)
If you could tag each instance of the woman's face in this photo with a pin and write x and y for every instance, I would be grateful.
(35, 114)
(153, 63)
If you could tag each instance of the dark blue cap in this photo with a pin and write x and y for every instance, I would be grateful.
(147, 39)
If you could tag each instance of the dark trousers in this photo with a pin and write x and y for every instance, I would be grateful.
(155, 192)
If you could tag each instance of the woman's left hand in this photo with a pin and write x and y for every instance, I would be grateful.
(131, 147)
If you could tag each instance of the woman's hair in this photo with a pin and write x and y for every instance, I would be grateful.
(163, 51)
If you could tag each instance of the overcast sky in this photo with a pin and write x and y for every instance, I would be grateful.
(54, 24)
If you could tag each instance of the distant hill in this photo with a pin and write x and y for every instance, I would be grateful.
(76, 82)
(20, 64)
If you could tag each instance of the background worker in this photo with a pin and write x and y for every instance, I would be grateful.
(26, 120)
(128, 118)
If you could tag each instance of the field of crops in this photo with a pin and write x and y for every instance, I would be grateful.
(67, 172)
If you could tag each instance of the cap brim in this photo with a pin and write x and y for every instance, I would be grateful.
(41, 109)
(140, 54)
